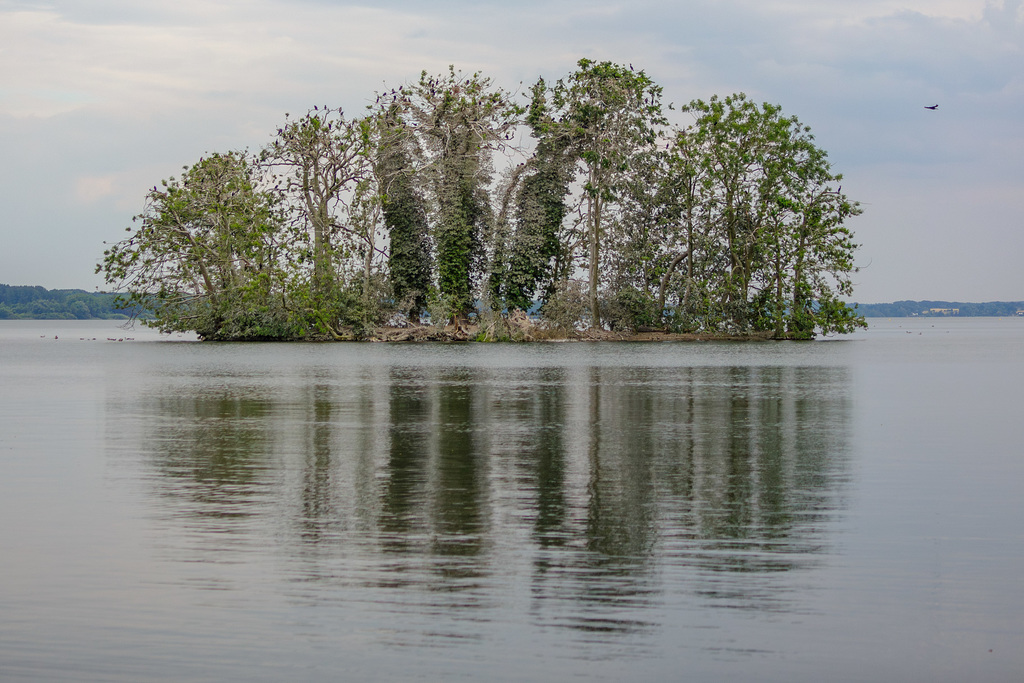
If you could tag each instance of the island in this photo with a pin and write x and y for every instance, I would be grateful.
(455, 205)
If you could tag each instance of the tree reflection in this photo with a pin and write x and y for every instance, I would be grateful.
(458, 514)
(318, 510)
(213, 452)
(406, 474)
(598, 488)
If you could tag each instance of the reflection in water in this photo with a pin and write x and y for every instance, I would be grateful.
(214, 454)
(318, 509)
(405, 483)
(458, 516)
(439, 490)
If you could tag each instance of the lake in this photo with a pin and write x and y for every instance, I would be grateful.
(846, 509)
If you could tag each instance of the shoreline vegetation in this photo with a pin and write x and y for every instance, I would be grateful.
(942, 309)
(524, 329)
(451, 211)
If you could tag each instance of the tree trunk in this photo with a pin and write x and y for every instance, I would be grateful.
(595, 246)
(779, 307)
(664, 281)
(367, 263)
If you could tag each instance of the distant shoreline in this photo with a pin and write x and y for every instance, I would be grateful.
(941, 309)
(25, 302)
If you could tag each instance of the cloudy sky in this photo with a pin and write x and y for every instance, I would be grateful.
(100, 99)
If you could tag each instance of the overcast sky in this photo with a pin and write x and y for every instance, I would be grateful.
(101, 99)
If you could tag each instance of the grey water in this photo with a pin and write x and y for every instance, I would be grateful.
(847, 509)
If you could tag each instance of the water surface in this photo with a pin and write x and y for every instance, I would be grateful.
(847, 509)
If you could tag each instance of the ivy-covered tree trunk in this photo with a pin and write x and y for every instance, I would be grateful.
(531, 256)
(533, 253)
(594, 228)
(405, 215)
(457, 122)
(409, 258)
(457, 237)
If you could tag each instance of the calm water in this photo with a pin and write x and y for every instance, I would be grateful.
(848, 510)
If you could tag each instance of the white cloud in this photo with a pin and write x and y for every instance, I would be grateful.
(90, 189)
(102, 99)
(224, 52)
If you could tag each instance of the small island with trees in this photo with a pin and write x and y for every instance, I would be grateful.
(451, 211)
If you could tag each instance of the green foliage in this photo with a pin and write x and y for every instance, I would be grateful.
(770, 224)
(207, 255)
(606, 115)
(566, 308)
(630, 310)
(735, 223)
(458, 243)
(440, 307)
(835, 316)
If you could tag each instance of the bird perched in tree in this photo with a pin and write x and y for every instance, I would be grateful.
(932, 107)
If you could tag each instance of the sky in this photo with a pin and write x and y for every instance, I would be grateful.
(101, 99)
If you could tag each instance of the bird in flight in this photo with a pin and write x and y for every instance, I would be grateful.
(932, 107)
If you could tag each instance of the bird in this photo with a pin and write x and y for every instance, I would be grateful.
(932, 107)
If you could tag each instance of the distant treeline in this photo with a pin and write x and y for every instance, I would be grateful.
(906, 309)
(39, 303)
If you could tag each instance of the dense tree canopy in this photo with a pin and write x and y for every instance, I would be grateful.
(606, 217)
(763, 220)
(211, 253)
(606, 115)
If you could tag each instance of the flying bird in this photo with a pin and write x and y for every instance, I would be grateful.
(932, 107)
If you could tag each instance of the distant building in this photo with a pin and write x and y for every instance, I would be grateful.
(942, 311)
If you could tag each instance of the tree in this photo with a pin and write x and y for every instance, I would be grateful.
(529, 252)
(323, 157)
(607, 114)
(458, 121)
(210, 254)
(646, 243)
(772, 207)
(405, 215)
(735, 223)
